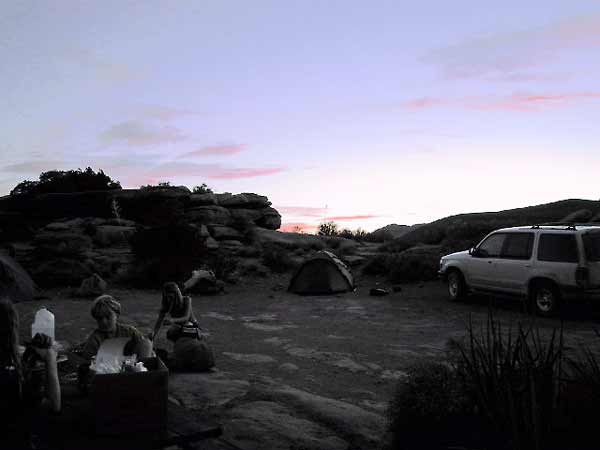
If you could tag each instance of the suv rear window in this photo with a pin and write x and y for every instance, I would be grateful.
(591, 242)
(518, 246)
(557, 247)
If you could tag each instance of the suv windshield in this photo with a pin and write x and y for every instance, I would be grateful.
(591, 242)
(557, 247)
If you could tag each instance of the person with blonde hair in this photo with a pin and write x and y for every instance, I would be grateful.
(106, 310)
(190, 349)
(23, 393)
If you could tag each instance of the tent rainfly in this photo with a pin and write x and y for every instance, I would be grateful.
(322, 274)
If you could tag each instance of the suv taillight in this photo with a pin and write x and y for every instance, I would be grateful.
(582, 275)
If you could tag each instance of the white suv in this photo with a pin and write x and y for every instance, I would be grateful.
(546, 264)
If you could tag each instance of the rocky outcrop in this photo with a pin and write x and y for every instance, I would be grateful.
(70, 236)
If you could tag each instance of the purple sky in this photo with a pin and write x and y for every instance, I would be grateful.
(366, 113)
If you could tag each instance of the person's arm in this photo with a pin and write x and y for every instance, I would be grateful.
(158, 324)
(52, 399)
(187, 316)
(91, 346)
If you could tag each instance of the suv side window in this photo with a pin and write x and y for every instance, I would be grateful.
(557, 247)
(518, 246)
(491, 247)
(591, 242)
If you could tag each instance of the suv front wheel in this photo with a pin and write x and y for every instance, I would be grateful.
(457, 287)
(545, 298)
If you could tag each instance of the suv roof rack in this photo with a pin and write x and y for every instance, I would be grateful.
(568, 225)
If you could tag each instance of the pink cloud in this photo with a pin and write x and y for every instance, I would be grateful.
(232, 174)
(424, 103)
(173, 170)
(530, 102)
(515, 102)
(215, 150)
(356, 217)
(302, 211)
(515, 51)
(295, 227)
(138, 134)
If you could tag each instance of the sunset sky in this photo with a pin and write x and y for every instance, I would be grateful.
(365, 113)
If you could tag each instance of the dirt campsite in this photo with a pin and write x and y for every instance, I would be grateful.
(306, 372)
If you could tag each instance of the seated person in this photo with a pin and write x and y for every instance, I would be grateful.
(190, 351)
(106, 311)
(25, 390)
(179, 307)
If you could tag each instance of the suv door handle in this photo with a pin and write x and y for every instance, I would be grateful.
(489, 262)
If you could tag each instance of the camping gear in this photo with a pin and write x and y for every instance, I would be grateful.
(192, 354)
(15, 283)
(322, 274)
(43, 323)
(131, 402)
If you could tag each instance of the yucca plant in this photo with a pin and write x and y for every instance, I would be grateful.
(516, 377)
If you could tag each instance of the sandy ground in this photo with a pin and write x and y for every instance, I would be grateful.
(344, 351)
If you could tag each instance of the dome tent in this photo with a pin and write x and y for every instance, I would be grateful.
(322, 274)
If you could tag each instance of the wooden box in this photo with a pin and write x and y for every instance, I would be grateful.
(131, 402)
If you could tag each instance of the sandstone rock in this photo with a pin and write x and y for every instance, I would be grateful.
(119, 222)
(57, 226)
(245, 215)
(231, 244)
(220, 232)
(352, 260)
(206, 390)
(270, 219)
(202, 199)
(223, 197)
(245, 200)
(211, 243)
(62, 243)
(92, 286)
(203, 231)
(267, 424)
(107, 235)
(60, 272)
(208, 214)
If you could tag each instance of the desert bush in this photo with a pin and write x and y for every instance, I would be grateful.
(517, 377)
(67, 181)
(202, 189)
(328, 229)
(432, 408)
(277, 259)
(410, 268)
(379, 264)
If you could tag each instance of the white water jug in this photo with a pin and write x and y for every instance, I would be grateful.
(43, 323)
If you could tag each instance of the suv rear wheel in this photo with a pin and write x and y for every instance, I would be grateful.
(545, 299)
(457, 287)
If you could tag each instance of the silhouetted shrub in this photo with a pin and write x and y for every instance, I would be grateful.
(328, 229)
(67, 181)
(432, 409)
(202, 189)
(277, 259)
(410, 268)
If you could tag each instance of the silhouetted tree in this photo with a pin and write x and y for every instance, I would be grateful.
(328, 229)
(67, 181)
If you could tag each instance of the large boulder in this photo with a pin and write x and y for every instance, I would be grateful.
(108, 235)
(245, 200)
(62, 243)
(242, 215)
(92, 286)
(61, 272)
(270, 219)
(221, 232)
(202, 199)
(208, 214)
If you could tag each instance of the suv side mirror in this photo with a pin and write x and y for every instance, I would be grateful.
(474, 251)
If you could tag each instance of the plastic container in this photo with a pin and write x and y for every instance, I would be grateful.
(43, 323)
